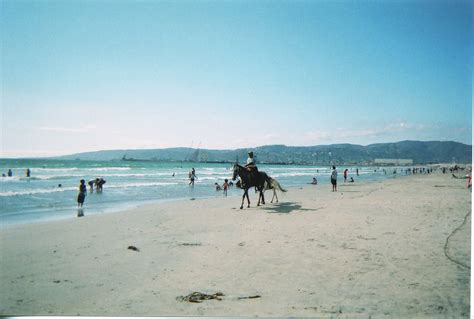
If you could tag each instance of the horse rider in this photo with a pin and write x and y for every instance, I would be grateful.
(250, 163)
(251, 167)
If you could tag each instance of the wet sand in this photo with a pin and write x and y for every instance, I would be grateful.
(397, 248)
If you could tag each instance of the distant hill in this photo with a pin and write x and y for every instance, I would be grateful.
(419, 152)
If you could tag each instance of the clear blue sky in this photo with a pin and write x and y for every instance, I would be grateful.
(89, 75)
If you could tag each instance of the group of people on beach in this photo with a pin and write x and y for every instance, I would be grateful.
(98, 182)
(334, 177)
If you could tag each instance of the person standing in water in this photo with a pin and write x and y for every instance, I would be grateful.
(334, 179)
(28, 172)
(225, 186)
(192, 176)
(82, 193)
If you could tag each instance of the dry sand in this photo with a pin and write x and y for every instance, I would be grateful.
(379, 249)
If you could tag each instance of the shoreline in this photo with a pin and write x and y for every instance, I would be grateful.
(120, 207)
(368, 249)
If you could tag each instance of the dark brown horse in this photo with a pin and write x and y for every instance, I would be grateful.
(250, 179)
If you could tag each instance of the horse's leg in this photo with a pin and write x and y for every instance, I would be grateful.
(248, 199)
(275, 194)
(243, 197)
(261, 196)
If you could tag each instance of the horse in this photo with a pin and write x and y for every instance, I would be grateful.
(250, 179)
(274, 185)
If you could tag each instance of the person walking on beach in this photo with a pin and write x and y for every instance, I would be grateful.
(469, 181)
(10, 173)
(346, 171)
(28, 172)
(192, 176)
(334, 179)
(82, 193)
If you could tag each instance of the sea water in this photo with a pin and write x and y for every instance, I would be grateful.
(51, 190)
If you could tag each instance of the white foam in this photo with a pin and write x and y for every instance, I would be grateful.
(10, 179)
(101, 169)
(144, 184)
(36, 191)
(53, 169)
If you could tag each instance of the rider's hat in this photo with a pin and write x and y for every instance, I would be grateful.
(251, 153)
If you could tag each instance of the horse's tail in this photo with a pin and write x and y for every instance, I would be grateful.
(277, 185)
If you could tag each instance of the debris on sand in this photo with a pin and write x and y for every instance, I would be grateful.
(133, 248)
(250, 297)
(199, 297)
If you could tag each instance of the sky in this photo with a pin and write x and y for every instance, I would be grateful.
(91, 75)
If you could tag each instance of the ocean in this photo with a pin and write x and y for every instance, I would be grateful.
(50, 193)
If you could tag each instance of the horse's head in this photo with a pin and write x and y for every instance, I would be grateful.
(235, 172)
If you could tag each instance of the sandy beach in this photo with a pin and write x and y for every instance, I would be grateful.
(397, 248)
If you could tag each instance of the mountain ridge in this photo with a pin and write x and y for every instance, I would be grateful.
(420, 152)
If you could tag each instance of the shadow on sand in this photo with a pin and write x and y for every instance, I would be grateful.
(285, 208)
